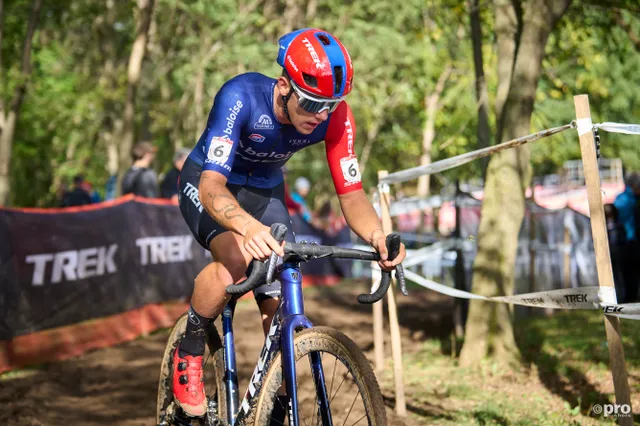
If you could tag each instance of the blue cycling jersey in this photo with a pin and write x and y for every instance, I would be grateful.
(243, 140)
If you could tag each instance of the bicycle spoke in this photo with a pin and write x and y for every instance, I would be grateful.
(343, 379)
(273, 420)
(283, 408)
(363, 417)
(333, 375)
(313, 419)
(351, 408)
(301, 415)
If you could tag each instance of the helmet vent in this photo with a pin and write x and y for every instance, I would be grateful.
(310, 80)
(324, 39)
(338, 73)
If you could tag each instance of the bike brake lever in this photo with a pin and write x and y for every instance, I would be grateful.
(402, 284)
(278, 231)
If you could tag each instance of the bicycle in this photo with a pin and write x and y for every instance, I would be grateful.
(291, 338)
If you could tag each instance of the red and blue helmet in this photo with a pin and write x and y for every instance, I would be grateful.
(317, 62)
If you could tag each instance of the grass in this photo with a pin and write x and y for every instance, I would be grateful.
(20, 373)
(564, 373)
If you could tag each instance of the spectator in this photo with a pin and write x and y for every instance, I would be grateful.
(169, 185)
(78, 196)
(628, 207)
(302, 187)
(615, 234)
(61, 192)
(110, 188)
(140, 179)
(95, 196)
(292, 206)
(327, 220)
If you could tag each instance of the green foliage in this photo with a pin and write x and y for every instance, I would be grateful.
(76, 94)
(589, 54)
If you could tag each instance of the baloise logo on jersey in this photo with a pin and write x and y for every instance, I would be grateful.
(220, 146)
(262, 157)
(231, 118)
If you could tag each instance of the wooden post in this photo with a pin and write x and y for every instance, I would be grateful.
(396, 344)
(601, 247)
(378, 319)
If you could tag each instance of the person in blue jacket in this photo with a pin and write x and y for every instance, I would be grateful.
(627, 205)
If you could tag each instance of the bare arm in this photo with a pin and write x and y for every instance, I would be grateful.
(360, 214)
(363, 220)
(223, 207)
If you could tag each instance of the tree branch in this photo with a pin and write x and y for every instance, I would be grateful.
(215, 47)
(627, 28)
(1, 28)
(25, 70)
(1, 69)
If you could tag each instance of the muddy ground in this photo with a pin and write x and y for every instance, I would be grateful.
(118, 385)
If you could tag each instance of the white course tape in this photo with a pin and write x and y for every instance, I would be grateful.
(584, 125)
(566, 298)
(629, 129)
(591, 298)
(420, 256)
(440, 288)
(608, 295)
(626, 310)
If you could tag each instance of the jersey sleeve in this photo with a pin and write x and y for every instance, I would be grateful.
(341, 155)
(230, 112)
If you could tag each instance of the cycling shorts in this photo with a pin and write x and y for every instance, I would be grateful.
(266, 205)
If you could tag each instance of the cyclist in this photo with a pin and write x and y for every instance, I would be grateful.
(232, 181)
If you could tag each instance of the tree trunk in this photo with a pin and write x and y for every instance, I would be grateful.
(133, 78)
(431, 105)
(9, 119)
(489, 327)
(291, 16)
(372, 134)
(312, 7)
(484, 131)
(507, 34)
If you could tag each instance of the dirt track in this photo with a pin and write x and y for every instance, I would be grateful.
(118, 385)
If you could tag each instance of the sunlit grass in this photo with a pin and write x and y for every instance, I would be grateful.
(564, 372)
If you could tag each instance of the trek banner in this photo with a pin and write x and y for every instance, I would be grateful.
(63, 266)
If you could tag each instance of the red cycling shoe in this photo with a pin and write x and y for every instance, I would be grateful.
(188, 384)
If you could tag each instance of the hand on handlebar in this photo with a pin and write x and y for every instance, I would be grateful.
(379, 244)
(259, 242)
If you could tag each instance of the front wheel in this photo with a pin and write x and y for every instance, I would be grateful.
(351, 386)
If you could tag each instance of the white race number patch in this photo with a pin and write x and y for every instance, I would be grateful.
(219, 149)
(350, 170)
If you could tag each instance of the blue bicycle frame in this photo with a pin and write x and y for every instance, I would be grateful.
(288, 319)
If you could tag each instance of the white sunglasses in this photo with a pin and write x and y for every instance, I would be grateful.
(312, 104)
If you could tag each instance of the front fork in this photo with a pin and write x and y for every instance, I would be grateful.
(292, 310)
